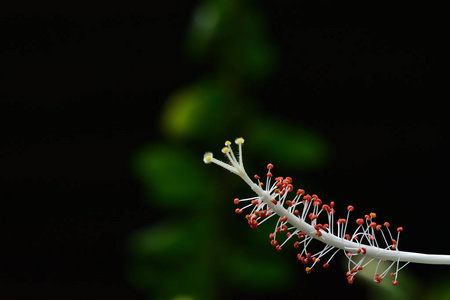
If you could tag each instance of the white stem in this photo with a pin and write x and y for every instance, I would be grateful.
(346, 245)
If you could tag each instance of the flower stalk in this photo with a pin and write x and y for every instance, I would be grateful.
(297, 219)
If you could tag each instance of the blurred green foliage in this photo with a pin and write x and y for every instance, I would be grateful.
(191, 252)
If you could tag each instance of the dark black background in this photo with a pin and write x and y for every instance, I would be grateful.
(82, 89)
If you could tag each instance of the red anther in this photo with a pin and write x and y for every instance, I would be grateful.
(349, 254)
(289, 188)
(288, 234)
(254, 202)
(332, 211)
(278, 247)
(283, 219)
(325, 266)
(350, 279)
(332, 204)
(274, 242)
(299, 256)
(279, 230)
(378, 227)
(289, 203)
(360, 268)
(253, 224)
(236, 201)
(271, 236)
(269, 174)
(300, 192)
(313, 216)
(347, 236)
(325, 207)
(315, 196)
(308, 256)
(364, 251)
(358, 251)
(297, 244)
(257, 177)
(307, 198)
(371, 237)
(341, 221)
(399, 229)
(353, 271)
(279, 179)
(367, 217)
(269, 167)
(274, 201)
(386, 224)
(318, 226)
(296, 212)
(325, 227)
(392, 274)
(263, 213)
(350, 208)
(313, 259)
(373, 225)
(379, 278)
(394, 282)
(284, 227)
(238, 211)
(289, 179)
(279, 184)
(301, 235)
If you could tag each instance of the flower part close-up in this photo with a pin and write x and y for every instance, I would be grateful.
(299, 219)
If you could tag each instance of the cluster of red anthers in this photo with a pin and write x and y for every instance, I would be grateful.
(309, 208)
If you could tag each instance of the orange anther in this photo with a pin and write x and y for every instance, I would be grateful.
(308, 270)
(399, 229)
(373, 215)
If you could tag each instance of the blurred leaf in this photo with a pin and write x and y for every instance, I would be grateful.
(407, 287)
(166, 256)
(253, 272)
(296, 146)
(440, 290)
(172, 177)
(166, 240)
(231, 34)
(196, 111)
